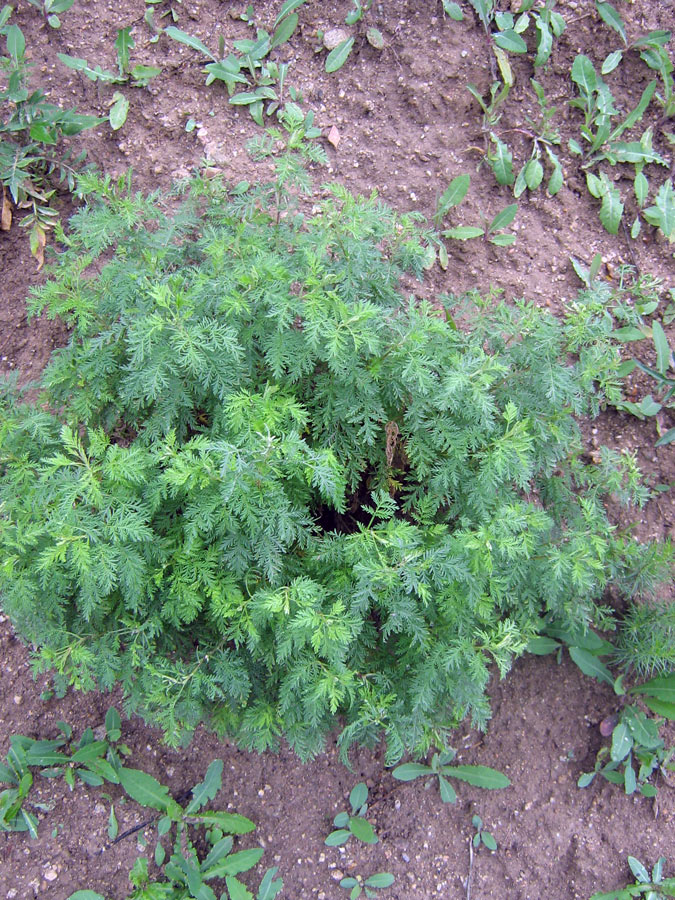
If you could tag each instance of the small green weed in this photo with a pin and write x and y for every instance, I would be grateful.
(486, 838)
(635, 742)
(89, 760)
(491, 231)
(263, 78)
(356, 885)
(136, 76)
(478, 776)
(51, 9)
(32, 132)
(650, 887)
(353, 822)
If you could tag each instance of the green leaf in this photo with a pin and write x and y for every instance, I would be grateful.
(611, 17)
(207, 789)
(146, 790)
(123, 44)
(479, 776)
(230, 823)
(628, 333)
(41, 133)
(182, 37)
(661, 707)
(636, 867)
(503, 218)
(235, 888)
(611, 62)
(338, 56)
(269, 888)
(501, 161)
(362, 829)
(611, 210)
(118, 111)
(454, 194)
(463, 232)
(238, 862)
(591, 665)
(453, 10)
(380, 880)
(662, 347)
(662, 688)
(634, 152)
(534, 174)
(583, 74)
(641, 187)
(90, 751)
(585, 779)
(160, 854)
(662, 213)
(284, 31)
(622, 742)
(556, 179)
(143, 75)
(542, 645)
(666, 438)
(85, 895)
(502, 240)
(633, 117)
(358, 796)
(511, 41)
(113, 827)
(31, 823)
(544, 42)
(629, 779)
(447, 791)
(16, 42)
(410, 771)
(338, 837)
(488, 840)
(113, 724)
(287, 8)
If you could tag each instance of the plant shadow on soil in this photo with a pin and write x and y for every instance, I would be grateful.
(405, 120)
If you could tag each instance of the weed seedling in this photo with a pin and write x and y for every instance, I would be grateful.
(482, 836)
(51, 9)
(356, 885)
(478, 776)
(353, 822)
(31, 136)
(650, 887)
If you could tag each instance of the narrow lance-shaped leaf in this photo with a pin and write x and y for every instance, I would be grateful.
(338, 56)
(184, 38)
(479, 776)
(208, 788)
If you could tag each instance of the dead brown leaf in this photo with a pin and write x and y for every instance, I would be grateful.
(333, 137)
(5, 211)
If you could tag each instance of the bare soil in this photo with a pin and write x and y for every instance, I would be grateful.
(407, 126)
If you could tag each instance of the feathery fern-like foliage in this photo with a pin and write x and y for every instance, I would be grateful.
(265, 489)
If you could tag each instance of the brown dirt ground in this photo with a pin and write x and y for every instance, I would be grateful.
(407, 125)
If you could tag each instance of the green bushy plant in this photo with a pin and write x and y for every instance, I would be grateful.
(264, 488)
